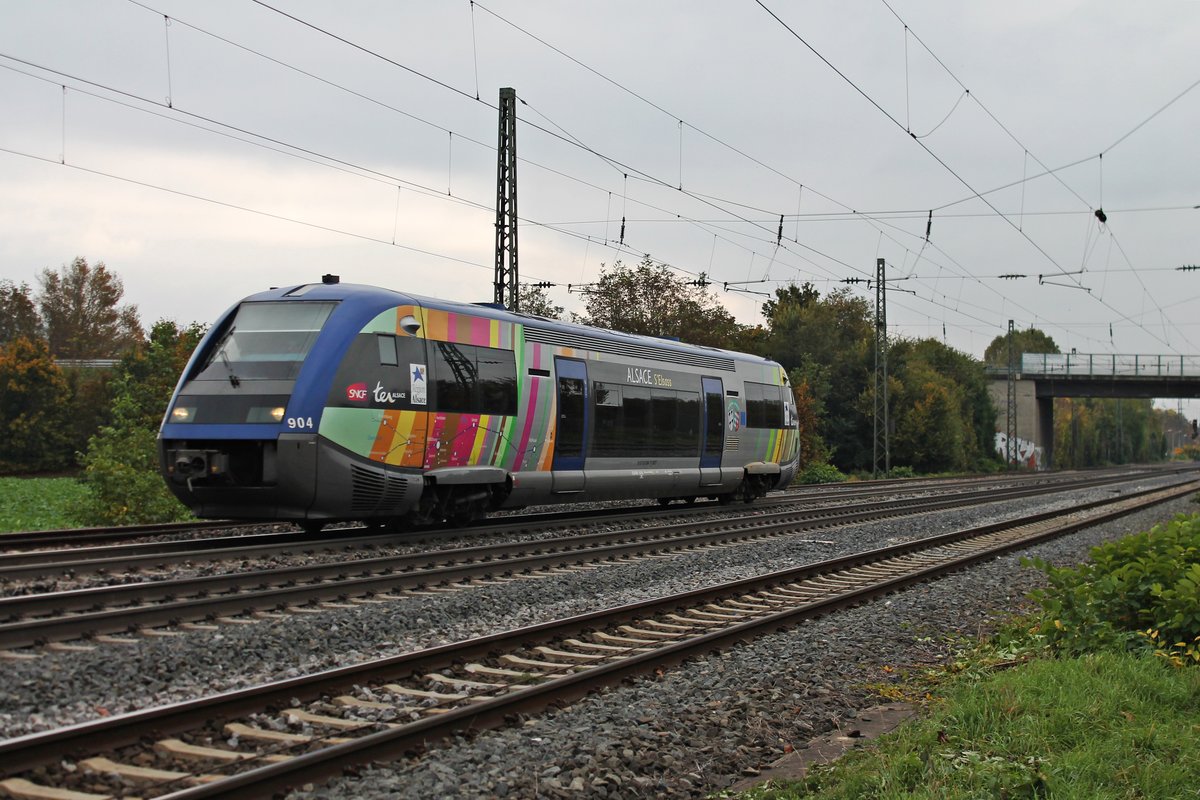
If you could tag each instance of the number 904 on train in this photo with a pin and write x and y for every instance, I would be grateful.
(328, 402)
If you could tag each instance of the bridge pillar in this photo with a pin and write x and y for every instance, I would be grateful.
(1035, 423)
(1045, 418)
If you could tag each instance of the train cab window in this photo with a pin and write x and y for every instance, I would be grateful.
(266, 340)
(469, 379)
(387, 350)
(764, 406)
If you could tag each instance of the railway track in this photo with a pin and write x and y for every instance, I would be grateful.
(256, 741)
(28, 546)
(23, 564)
(97, 613)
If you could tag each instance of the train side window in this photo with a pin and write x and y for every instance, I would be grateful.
(764, 406)
(454, 377)
(687, 424)
(497, 381)
(609, 436)
(387, 350)
(638, 420)
(474, 380)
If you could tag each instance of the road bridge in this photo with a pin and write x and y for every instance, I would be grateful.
(1045, 376)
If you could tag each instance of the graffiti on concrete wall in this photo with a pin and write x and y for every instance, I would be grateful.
(1029, 455)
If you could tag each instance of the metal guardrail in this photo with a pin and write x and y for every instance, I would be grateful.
(1110, 365)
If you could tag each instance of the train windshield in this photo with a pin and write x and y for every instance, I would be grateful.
(266, 341)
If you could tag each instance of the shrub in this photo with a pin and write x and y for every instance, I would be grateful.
(902, 472)
(820, 473)
(1143, 590)
(124, 486)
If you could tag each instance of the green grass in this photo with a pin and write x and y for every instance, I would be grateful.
(34, 504)
(1104, 725)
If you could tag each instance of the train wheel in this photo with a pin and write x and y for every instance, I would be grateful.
(725, 499)
(312, 526)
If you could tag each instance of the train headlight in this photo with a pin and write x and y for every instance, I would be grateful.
(182, 414)
(267, 414)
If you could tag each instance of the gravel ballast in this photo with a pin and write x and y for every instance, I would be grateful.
(695, 730)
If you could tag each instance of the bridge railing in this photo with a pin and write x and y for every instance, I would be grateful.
(1110, 364)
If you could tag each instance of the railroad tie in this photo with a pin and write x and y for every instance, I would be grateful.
(141, 774)
(607, 648)
(654, 635)
(396, 688)
(180, 749)
(480, 669)
(712, 623)
(354, 702)
(463, 684)
(627, 640)
(550, 651)
(667, 626)
(741, 606)
(22, 789)
(542, 665)
(274, 737)
(332, 722)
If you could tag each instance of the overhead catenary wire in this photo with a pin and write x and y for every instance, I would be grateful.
(772, 235)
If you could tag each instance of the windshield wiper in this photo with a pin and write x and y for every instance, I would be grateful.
(234, 380)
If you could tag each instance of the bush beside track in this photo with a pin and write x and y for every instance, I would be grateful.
(1099, 702)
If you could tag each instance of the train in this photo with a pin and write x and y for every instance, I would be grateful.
(327, 402)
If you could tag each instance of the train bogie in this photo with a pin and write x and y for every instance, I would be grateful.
(331, 402)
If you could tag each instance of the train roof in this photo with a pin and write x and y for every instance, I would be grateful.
(574, 334)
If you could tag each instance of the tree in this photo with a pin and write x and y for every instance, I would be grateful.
(825, 343)
(80, 309)
(33, 408)
(925, 367)
(650, 299)
(1026, 341)
(121, 462)
(533, 300)
(18, 314)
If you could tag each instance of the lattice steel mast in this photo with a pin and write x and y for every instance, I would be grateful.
(506, 204)
(881, 450)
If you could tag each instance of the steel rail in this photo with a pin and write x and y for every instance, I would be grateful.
(260, 781)
(41, 618)
(90, 560)
(17, 544)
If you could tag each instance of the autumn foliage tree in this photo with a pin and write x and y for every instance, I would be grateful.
(82, 314)
(18, 313)
(652, 300)
(33, 408)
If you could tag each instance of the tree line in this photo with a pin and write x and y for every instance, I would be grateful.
(61, 413)
(57, 413)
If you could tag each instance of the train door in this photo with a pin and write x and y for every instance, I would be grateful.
(571, 425)
(713, 431)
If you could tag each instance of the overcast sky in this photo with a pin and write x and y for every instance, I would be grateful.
(235, 146)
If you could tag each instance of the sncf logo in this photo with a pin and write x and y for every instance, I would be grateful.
(356, 393)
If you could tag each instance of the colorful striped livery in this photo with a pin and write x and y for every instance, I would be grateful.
(329, 401)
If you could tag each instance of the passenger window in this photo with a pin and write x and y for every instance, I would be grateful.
(474, 380)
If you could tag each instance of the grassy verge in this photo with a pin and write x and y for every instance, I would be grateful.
(34, 504)
(1103, 700)
(1104, 725)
